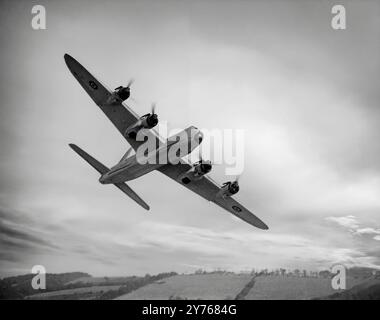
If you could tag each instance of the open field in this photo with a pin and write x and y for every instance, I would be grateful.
(290, 288)
(79, 293)
(195, 286)
(99, 280)
(227, 286)
(368, 290)
(361, 284)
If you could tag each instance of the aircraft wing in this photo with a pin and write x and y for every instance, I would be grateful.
(118, 112)
(208, 189)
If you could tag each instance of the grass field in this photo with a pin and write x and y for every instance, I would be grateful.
(81, 293)
(99, 280)
(291, 288)
(227, 286)
(212, 286)
(202, 286)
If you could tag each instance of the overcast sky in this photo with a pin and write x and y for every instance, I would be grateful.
(306, 96)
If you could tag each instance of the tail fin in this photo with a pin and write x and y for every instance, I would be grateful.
(102, 169)
(126, 155)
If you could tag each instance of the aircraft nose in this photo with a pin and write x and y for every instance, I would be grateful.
(199, 137)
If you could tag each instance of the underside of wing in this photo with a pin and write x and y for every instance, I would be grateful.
(209, 189)
(231, 205)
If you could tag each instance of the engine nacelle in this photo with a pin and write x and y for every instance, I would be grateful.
(119, 95)
(147, 121)
(122, 93)
(228, 189)
(196, 172)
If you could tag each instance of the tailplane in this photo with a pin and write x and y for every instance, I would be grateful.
(102, 169)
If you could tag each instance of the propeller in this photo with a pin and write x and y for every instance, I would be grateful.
(153, 108)
(128, 85)
(130, 82)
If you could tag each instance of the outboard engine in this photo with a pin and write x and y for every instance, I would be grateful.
(228, 189)
(123, 93)
(120, 94)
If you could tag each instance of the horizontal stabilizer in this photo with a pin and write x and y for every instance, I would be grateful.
(133, 195)
(102, 169)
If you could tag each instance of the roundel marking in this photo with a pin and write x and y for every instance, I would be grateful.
(93, 85)
(236, 208)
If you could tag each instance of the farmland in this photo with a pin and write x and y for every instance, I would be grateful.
(99, 280)
(194, 286)
(239, 286)
(83, 293)
(291, 287)
(215, 285)
(74, 286)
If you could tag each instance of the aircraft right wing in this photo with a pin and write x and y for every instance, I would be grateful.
(208, 189)
(119, 113)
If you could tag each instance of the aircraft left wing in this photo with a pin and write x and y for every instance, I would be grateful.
(208, 189)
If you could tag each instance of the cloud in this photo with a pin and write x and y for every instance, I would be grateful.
(236, 251)
(368, 231)
(23, 235)
(349, 222)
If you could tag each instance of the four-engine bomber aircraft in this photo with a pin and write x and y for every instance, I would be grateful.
(192, 176)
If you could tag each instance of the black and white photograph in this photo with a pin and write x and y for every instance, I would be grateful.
(206, 150)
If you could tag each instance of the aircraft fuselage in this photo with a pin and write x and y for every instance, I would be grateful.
(139, 164)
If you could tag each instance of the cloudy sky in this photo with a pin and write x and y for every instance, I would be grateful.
(306, 96)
